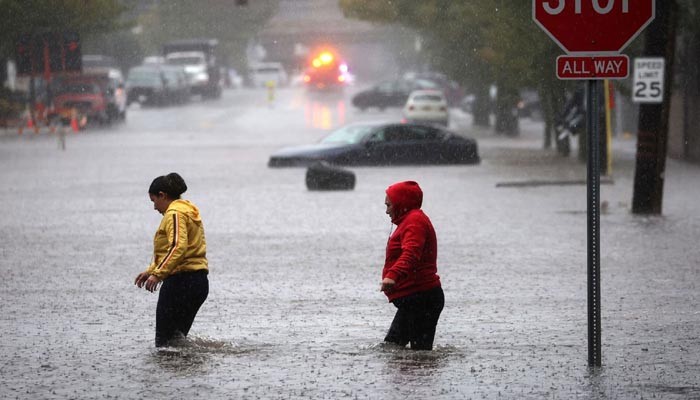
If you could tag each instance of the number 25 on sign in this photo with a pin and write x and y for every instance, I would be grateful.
(648, 80)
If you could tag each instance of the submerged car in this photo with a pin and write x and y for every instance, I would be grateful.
(382, 144)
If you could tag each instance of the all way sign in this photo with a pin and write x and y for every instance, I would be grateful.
(593, 67)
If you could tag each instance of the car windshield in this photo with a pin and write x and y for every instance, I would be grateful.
(349, 134)
(86, 88)
(425, 84)
(429, 98)
(143, 76)
(185, 60)
(268, 70)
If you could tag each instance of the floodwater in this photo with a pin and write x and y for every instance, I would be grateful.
(294, 309)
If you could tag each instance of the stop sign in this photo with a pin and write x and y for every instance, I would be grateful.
(593, 26)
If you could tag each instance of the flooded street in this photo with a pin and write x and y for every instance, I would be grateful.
(294, 308)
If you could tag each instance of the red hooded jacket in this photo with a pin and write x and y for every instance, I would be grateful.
(411, 252)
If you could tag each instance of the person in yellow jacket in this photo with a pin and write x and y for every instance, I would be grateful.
(179, 260)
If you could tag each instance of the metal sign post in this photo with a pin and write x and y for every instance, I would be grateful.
(593, 37)
(593, 189)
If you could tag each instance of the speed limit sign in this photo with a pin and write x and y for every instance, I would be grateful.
(648, 80)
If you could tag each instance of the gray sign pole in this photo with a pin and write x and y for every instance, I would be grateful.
(593, 187)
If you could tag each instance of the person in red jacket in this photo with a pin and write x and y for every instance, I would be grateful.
(409, 278)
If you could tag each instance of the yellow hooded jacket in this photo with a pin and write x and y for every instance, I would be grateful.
(179, 243)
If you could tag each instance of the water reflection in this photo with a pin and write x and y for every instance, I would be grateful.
(597, 385)
(320, 115)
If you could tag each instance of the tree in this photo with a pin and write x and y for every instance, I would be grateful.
(232, 25)
(478, 43)
(19, 17)
(84, 17)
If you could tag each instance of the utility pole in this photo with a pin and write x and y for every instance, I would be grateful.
(652, 135)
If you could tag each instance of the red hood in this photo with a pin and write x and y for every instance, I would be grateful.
(78, 96)
(404, 197)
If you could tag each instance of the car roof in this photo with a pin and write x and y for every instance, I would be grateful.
(382, 123)
(266, 64)
(433, 92)
(183, 54)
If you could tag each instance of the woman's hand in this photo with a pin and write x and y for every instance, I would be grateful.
(387, 285)
(141, 279)
(152, 283)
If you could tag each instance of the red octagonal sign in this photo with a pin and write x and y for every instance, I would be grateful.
(593, 26)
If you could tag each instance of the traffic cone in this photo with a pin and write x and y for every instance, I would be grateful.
(74, 121)
(31, 124)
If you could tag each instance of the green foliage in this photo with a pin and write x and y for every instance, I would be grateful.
(476, 42)
(36, 16)
(232, 25)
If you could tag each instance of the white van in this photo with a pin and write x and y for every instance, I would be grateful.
(266, 73)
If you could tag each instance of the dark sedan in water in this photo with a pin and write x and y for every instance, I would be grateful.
(382, 144)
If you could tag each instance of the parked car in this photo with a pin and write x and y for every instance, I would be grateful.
(467, 103)
(146, 85)
(83, 96)
(529, 104)
(233, 79)
(112, 83)
(427, 106)
(391, 93)
(153, 60)
(452, 90)
(382, 144)
(262, 74)
(177, 87)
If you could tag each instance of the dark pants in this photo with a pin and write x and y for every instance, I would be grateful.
(416, 319)
(180, 297)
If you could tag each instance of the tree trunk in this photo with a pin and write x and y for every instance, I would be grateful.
(507, 112)
(652, 135)
(481, 109)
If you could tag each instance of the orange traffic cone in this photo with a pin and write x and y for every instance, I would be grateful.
(32, 125)
(74, 121)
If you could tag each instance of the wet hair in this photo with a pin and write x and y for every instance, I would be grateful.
(172, 184)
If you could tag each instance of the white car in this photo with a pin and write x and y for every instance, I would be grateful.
(427, 105)
(268, 73)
